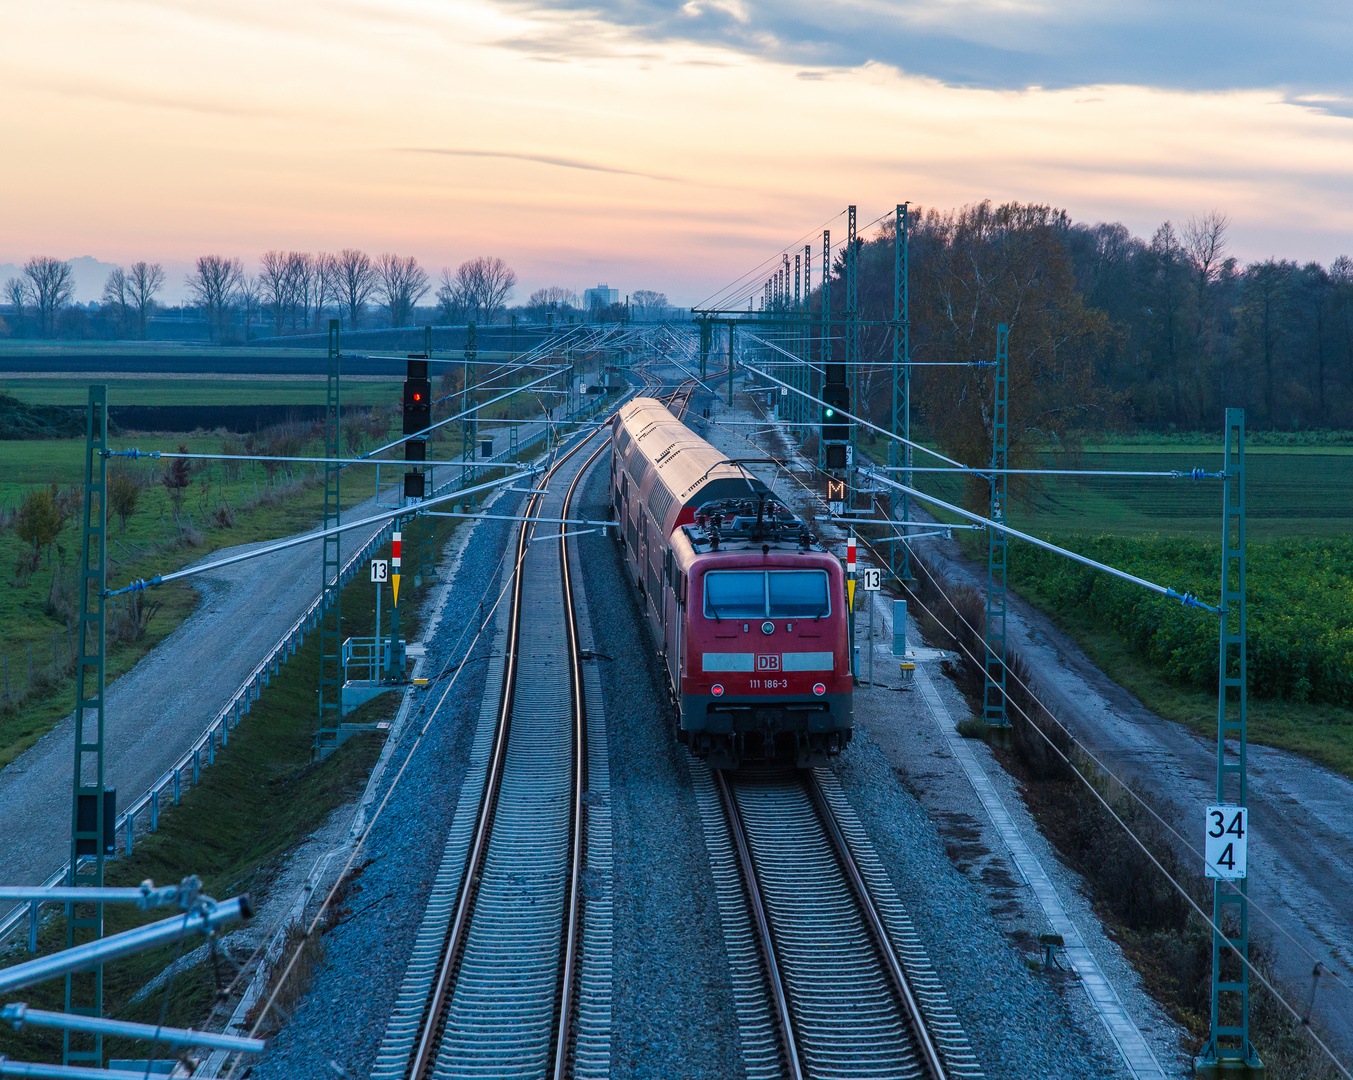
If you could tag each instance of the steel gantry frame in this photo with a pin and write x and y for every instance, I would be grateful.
(331, 569)
(993, 698)
(899, 454)
(427, 556)
(469, 427)
(89, 809)
(1228, 1052)
(853, 333)
(825, 337)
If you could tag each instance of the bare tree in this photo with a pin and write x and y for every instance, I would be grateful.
(16, 292)
(554, 296)
(451, 301)
(114, 300)
(356, 282)
(144, 280)
(1205, 242)
(328, 286)
(50, 286)
(250, 294)
(649, 304)
(401, 283)
(300, 271)
(483, 285)
(496, 282)
(213, 284)
(273, 284)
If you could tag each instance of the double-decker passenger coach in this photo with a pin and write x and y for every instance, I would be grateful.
(749, 609)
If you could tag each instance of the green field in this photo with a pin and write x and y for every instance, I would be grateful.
(1299, 519)
(204, 390)
(37, 604)
(1288, 491)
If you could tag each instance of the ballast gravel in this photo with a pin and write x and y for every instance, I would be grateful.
(338, 1026)
(673, 1011)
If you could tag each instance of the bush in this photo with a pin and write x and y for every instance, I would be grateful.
(1300, 607)
(124, 492)
(40, 519)
(177, 476)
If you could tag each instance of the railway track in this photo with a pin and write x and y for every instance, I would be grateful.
(492, 986)
(848, 988)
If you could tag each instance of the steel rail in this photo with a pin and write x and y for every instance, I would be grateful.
(424, 1058)
(573, 920)
(874, 923)
(779, 997)
(789, 1003)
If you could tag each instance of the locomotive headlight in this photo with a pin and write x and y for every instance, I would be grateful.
(768, 627)
(717, 690)
(819, 688)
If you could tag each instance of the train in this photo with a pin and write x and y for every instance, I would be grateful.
(749, 611)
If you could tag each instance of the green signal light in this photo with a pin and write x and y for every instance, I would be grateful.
(830, 412)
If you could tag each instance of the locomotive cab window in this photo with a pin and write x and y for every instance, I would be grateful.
(774, 594)
(798, 594)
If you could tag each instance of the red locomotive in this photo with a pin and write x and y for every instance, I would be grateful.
(750, 610)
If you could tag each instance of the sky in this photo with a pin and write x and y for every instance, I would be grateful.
(655, 144)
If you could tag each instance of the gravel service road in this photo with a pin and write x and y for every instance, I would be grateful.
(1301, 814)
(155, 712)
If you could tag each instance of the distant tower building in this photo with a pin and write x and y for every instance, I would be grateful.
(599, 299)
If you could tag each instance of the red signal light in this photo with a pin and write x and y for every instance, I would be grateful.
(417, 397)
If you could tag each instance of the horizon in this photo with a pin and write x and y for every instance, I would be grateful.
(668, 149)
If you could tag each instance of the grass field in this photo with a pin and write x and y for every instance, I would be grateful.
(187, 350)
(36, 605)
(204, 390)
(1289, 491)
(261, 797)
(1299, 490)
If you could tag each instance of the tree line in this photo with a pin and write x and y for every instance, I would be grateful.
(1106, 329)
(291, 291)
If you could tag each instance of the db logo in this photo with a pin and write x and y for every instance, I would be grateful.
(768, 663)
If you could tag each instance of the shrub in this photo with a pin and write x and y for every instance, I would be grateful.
(1300, 607)
(40, 519)
(177, 476)
(124, 492)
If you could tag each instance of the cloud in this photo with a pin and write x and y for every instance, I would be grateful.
(1016, 44)
(539, 159)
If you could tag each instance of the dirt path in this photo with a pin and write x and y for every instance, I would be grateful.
(1301, 814)
(156, 711)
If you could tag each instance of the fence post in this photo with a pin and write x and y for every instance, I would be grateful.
(197, 764)
(33, 927)
(131, 825)
(177, 792)
(211, 747)
(155, 810)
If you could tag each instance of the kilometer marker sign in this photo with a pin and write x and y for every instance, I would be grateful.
(394, 564)
(1227, 840)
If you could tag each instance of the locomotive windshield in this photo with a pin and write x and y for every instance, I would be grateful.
(775, 594)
